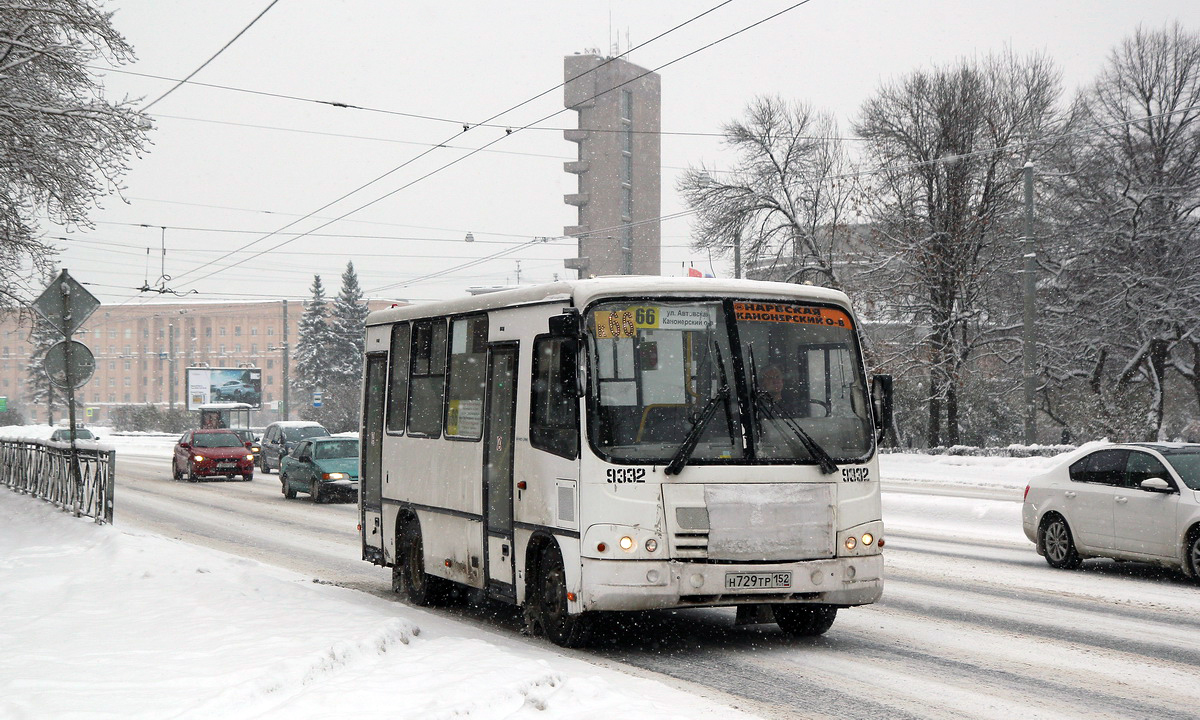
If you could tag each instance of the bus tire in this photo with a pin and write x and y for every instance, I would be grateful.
(409, 578)
(557, 624)
(804, 620)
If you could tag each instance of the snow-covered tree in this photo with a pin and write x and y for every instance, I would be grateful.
(38, 388)
(944, 200)
(62, 144)
(1126, 256)
(347, 324)
(781, 205)
(312, 356)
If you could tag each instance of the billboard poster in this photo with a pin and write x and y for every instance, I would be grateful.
(222, 385)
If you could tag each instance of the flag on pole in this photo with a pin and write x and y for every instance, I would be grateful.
(693, 272)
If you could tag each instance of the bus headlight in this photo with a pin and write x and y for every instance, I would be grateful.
(651, 545)
(626, 543)
(851, 542)
(868, 538)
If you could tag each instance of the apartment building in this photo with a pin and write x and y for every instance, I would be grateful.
(142, 352)
(618, 161)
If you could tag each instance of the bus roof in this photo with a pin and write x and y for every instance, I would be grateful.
(579, 293)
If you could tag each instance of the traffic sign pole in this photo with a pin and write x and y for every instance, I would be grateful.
(68, 329)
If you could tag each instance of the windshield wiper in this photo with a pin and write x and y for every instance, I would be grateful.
(693, 437)
(766, 404)
(762, 403)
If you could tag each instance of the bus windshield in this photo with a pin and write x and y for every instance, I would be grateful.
(784, 376)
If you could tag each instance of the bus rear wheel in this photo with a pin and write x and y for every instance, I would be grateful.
(409, 578)
(558, 625)
(805, 620)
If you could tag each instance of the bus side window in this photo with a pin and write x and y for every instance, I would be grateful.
(554, 406)
(397, 397)
(428, 383)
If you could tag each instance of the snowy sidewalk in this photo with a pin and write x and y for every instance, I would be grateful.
(108, 622)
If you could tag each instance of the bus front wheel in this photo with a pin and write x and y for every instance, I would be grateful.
(559, 626)
(805, 620)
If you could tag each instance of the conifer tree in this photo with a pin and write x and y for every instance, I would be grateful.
(313, 344)
(347, 324)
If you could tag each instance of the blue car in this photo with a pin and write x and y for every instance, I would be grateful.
(323, 467)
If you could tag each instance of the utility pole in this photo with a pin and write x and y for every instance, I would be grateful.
(1029, 346)
(171, 366)
(737, 256)
(287, 383)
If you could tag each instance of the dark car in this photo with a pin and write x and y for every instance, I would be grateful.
(211, 453)
(280, 438)
(322, 467)
(247, 435)
(64, 435)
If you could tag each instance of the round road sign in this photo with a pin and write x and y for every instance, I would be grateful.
(82, 364)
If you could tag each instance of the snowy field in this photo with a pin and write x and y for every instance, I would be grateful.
(109, 621)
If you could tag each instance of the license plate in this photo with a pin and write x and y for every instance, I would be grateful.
(226, 466)
(757, 580)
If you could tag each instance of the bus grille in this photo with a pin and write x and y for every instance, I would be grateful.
(759, 522)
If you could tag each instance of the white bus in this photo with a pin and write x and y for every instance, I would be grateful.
(625, 444)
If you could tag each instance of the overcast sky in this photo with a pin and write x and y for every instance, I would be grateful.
(228, 166)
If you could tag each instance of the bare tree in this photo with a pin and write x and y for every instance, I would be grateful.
(1127, 264)
(782, 204)
(944, 147)
(62, 144)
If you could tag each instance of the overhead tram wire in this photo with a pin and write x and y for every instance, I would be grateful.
(514, 131)
(417, 116)
(1010, 147)
(466, 128)
(224, 47)
(503, 253)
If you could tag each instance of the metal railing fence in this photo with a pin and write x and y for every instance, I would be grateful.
(42, 468)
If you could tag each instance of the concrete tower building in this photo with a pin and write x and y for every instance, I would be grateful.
(618, 165)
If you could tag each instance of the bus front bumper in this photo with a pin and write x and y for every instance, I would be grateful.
(650, 584)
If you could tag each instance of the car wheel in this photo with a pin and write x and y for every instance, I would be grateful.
(1059, 545)
(262, 464)
(176, 473)
(414, 584)
(248, 477)
(558, 625)
(288, 492)
(1193, 553)
(804, 620)
(192, 476)
(314, 491)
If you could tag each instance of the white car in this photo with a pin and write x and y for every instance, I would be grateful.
(1137, 501)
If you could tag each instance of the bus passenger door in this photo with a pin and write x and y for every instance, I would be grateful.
(498, 469)
(371, 461)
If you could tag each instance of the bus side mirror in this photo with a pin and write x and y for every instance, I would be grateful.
(881, 402)
(567, 325)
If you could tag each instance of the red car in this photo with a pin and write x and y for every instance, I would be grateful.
(205, 453)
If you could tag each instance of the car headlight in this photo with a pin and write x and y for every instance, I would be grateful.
(334, 476)
(249, 457)
(198, 458)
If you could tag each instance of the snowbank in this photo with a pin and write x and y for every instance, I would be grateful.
(105, 622)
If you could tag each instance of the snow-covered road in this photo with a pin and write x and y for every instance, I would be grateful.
(973, 623)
